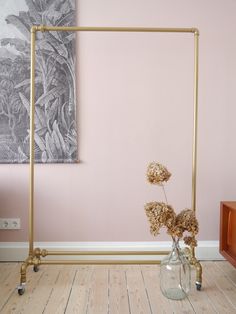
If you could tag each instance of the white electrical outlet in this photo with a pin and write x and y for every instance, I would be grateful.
(9, 223)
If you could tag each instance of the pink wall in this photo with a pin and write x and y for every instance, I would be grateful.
(135, 106)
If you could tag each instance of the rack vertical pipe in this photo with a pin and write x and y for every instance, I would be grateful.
(195, 121)
(32, 110)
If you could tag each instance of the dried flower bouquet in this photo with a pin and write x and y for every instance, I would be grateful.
(179, 226)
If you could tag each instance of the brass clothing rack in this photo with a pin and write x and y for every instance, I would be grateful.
(35, 255)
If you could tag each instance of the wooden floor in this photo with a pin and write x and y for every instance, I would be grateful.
(112, 289)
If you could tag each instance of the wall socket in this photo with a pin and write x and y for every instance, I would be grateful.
(9, 223)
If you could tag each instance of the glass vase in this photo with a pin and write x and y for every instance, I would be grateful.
(175, 274)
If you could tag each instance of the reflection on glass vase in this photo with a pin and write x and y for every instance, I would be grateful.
(175, 274)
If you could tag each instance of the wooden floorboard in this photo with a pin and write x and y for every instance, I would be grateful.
(8, 285)
(41, 294)
(6, 269)
(118, 293)
(79, 295)
(98, 296)
(114, 289)
(228, 269)
(219, 301)
(137, 294)
(199, 299)
(60, 293)
(220, 279)
(158, 303)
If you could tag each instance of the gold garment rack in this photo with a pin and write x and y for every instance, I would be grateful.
(35, 254)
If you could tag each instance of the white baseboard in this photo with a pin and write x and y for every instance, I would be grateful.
(18, 251)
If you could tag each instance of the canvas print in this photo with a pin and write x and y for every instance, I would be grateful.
(55, 92)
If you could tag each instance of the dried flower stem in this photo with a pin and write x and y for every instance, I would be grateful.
(163, 188)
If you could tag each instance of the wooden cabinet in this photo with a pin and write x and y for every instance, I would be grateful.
(228, 231)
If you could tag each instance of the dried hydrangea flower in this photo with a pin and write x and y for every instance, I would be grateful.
(187, 220)
(160, 214)
(190, 241)
(176, 231)
(157, 173)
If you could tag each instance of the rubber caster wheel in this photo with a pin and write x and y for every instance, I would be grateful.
(36, 268)
(21, 290)
(198, 286)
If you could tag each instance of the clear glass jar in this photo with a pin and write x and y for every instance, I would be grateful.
(175, 274)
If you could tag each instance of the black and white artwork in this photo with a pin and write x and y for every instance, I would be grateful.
(55, 101)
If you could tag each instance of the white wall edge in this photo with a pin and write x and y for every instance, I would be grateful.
(18, 251)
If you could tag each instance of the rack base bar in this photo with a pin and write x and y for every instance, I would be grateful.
(97, 262)
(44, 253)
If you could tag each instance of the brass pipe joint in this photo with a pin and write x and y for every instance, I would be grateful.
(44, 253)
(37, 252)
(23, 269)
(196, 31)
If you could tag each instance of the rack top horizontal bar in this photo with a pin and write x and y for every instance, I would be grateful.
(44, 28)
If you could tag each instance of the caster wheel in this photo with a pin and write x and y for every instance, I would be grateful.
(21, 290)
(36, 268)
(198, 286)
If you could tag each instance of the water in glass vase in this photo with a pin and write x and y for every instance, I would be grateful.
(175, 274)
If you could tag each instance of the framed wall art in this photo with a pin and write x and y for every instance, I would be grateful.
(55, 97)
